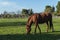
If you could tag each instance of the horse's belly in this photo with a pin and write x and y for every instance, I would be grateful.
(41, 22)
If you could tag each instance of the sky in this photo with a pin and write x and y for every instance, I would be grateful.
(15, 5)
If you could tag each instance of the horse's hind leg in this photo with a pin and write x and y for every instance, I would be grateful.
(51, 26)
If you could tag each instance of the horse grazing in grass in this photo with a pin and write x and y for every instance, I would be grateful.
(39, 18)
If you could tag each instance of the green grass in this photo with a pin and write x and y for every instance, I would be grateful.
(15, 29)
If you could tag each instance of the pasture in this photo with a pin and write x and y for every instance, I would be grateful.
(15, 29)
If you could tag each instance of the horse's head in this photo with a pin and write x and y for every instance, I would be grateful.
(28, 29)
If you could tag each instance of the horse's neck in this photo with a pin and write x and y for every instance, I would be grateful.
(29, 21)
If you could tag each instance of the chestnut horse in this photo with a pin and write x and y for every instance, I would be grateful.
(39, 18)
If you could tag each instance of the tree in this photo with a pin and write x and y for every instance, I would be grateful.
(49, 9)
(24, 11)
(58, 8)
(53, 9)
(30, 12)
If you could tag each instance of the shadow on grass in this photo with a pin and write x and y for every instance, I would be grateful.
(43, 36)
(4, 24)
(56, 31)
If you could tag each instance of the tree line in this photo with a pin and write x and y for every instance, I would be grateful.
(22, 14)
(28, 12)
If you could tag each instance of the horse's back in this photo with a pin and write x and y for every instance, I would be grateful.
(40, 17)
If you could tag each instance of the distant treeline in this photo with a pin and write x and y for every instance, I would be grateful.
(27, 12)
(24, 13)
(13, 16)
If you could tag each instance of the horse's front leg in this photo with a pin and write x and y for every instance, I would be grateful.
(39, 29)
(35, 27)
(47, 26)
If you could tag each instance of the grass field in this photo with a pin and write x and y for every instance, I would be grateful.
(15, 29)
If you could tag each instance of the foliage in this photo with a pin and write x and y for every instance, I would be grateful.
(49, 9)
(24, 11)
(58, 8)
(53, 9)
(27, 11)
(30, 12)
